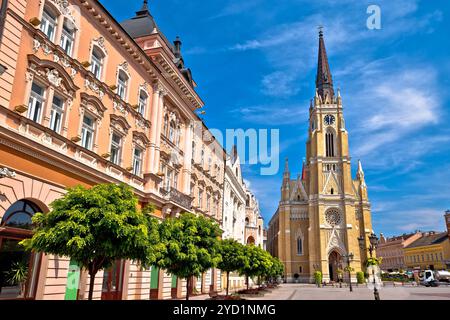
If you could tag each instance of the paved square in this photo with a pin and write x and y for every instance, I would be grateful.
(311, 292)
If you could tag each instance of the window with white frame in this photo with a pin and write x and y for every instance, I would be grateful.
(68, 37)
(122, 84)
(56, 114)
(166, 125)
(49, 23)
(143, 98)
(169, 178)
(36, 102)
(200, 197)
(97, 61)
(137, 161)
(116, 149)
(87, 132)
(208, 200)
(175, 181)
(172, 131)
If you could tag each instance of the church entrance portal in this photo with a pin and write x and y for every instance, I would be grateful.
(334, 262)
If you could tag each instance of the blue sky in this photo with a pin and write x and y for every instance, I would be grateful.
(255, 61)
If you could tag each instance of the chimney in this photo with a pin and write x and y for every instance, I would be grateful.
(177, 47)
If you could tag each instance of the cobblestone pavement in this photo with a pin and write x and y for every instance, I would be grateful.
(311, 292)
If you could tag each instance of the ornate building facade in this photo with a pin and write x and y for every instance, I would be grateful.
(322, 213)
(391, 250)
(87, 100)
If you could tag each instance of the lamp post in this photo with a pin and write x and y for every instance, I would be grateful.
(349, 258)
(373, 244)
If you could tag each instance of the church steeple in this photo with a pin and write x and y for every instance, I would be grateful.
(324, 80)
(286, 173)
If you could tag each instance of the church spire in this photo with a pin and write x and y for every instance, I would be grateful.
(324, 80)
(286, 173)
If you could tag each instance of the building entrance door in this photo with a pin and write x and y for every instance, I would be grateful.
(112, 282)
(334, 260)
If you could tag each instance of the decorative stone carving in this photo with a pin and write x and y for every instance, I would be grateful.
(119, 107)
(94, 87)
(54, 78)
(6, 173)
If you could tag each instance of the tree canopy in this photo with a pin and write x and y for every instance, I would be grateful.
(233, 257)
(96, 227)
(259, 262)
(191, 245)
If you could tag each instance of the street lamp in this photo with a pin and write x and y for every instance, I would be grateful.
(349, 258)
(373, 240)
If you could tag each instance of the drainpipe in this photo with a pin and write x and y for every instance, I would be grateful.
(3, 17)
(2, 27)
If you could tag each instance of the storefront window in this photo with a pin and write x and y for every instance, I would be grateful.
(18, 268)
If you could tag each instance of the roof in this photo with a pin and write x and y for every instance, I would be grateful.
(428, 240)
(142, 25)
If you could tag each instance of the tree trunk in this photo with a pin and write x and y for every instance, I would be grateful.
(187, 288)
(247, 281)
(91, 285)
(228, 280)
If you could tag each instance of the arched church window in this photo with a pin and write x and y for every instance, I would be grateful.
(329, 144)
(332, 191)
(299, 246)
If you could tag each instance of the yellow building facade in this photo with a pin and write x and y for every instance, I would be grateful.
(431, 251)
(322, 213)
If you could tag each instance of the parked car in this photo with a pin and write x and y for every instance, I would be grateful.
(429, 279)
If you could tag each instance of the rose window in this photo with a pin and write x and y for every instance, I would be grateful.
(333, 217)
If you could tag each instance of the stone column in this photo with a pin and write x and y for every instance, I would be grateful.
(154, 125)
(187, 158)
(157, 140)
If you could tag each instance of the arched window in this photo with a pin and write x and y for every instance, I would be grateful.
(143, 98)
(49, 22)
(97, 61)
(19, 215)
(247, 221)
(299, 246)
(166, 125)
(16, 226)
(172, 132)
(68, 36)
(122, 84)
(202, 159)
(329, 144)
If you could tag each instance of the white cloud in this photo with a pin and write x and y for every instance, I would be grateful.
(273, 115)
(279, 84)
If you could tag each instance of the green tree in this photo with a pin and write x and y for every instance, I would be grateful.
(191, 246)
(259, 263)
(276, 270)
(95, 227)
(318, 277)
(232, 257)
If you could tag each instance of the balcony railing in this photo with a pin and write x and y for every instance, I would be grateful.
(177, 197)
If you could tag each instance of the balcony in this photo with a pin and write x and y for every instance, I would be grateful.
(177, 197)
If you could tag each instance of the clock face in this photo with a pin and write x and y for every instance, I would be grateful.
(329, 119)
